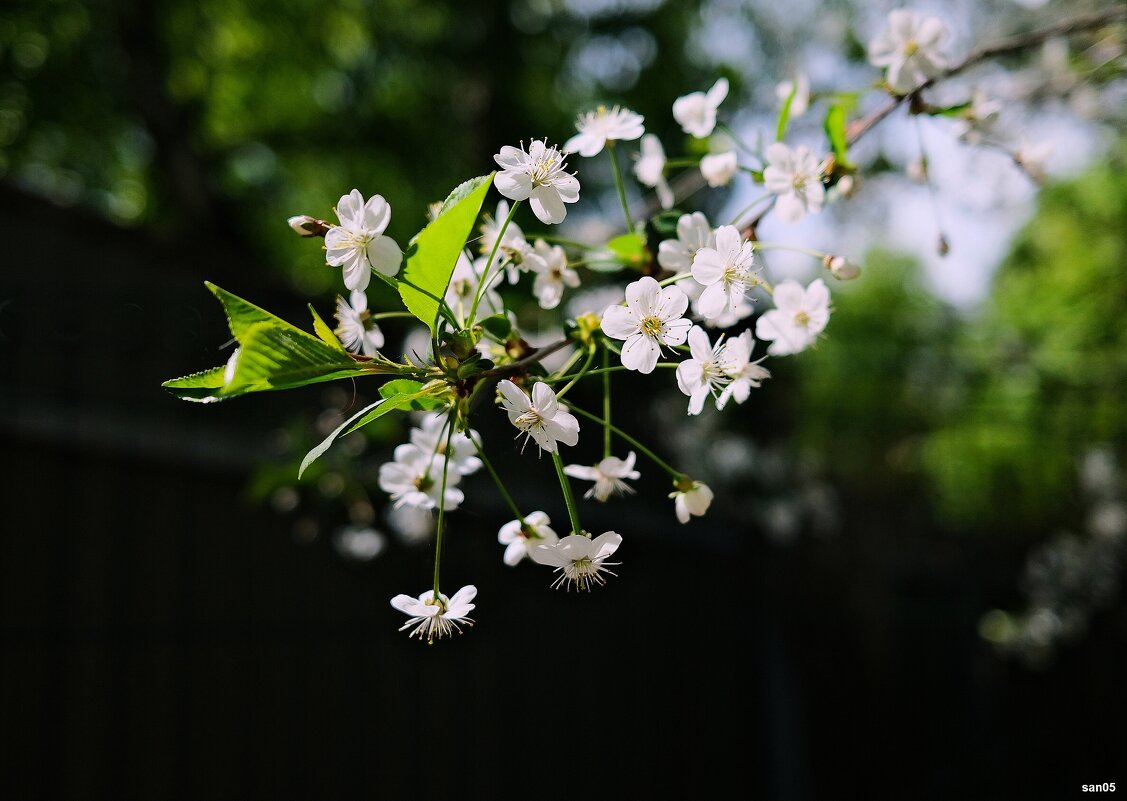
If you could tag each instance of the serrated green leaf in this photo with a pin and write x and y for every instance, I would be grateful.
(463, 190)
(434, 252)
(272, 354)
(316, 452)
(499, 325)
(324, 332)
(835, 132)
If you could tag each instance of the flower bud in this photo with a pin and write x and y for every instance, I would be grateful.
(304, 225)
(841, 268)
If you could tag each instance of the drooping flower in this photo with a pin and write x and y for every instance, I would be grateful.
(909, 47)
(435, 618)
(800, 103)
(357, 330)
(651, 319)
(797, 319)
(696, 111)
(702, 374)
(693, 233)
(796, 178)
(649, 169)
(414, 478)
(603, 125)
(540, 417)
(358, 244)
(519, 538)
(609, 476)
(719, 169)
(691, 500)
(538, 176)
(743, 373)
(580, 561)
(430, 438)
(727, 272)
(553, 276)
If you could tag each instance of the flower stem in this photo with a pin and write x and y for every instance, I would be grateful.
(623, 435)
(816, 254)
(747, 209)
(675, 279)
(682, 162)
(620, 184)
(497, 480)
(603, 370)
(606, 403)
(389, 315)
(439, 526)
(569, 499)
(489, 262)
(582, 372)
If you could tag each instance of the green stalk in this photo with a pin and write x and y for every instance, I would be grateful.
(623, 435)
(606, 403)
(582, 372)
(497, 480)
(620, 184)
(439, 528)
(569, 500)
(604, 370)
(489, 262)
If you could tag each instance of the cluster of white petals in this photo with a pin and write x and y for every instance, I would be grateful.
(356, 329)
(649, 169)
(799, 316)
(651, 319)
(719, 169)
(435, 618)
(358, 244)
(696, 111)
(596, 128)
(727, 271)
(579, 560)
(518, 537)
(723, 371)
(538, 175)
(541, 417)
(795, 178)
(693, 233)
(910, 49)
(552, 275)
(691, 502)
(610, 476)
(414, 478)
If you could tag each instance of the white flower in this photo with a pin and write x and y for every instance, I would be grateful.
(539, 177)
(598, 127)
(430, 438)
(725, 319)
(541, 417)
(979, 119)
(433, 618)
(795, 176)
(357, 330)
(727, 272)
(910, 49)
(519, 538)
(579, 560)
(797, 319)
(719, 169)
(651, 318)
(743, 373)
(693, 233)
(415, 479)
(696, 112)
(553, 276)
(649, 169)
(361, 543)
(608, 475)
(464, 282)
(358, 244)
(800, 103)
(692, 501)
(514, 251)
(702, 374)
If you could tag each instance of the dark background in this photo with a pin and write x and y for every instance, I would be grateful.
(165, 635)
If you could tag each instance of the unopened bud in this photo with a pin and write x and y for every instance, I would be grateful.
(841, 268)
(304, 225)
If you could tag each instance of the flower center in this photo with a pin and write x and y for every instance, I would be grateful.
(651, 326)
(530, 419)
(424, 483)
(802, 319)
(732, 274)
(911, 47)
(544, 170)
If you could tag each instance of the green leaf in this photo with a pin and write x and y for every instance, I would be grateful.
(784, 113)
(949, 111)
(272, 354)
(835, 132)
(434, 252)
(628, 250)
(665, 223)
(324, 332)
(420, 400)
(319, 449)
(462, 191)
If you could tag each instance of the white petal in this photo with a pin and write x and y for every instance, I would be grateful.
(513, 184)
(547, 205)
(619, 322)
